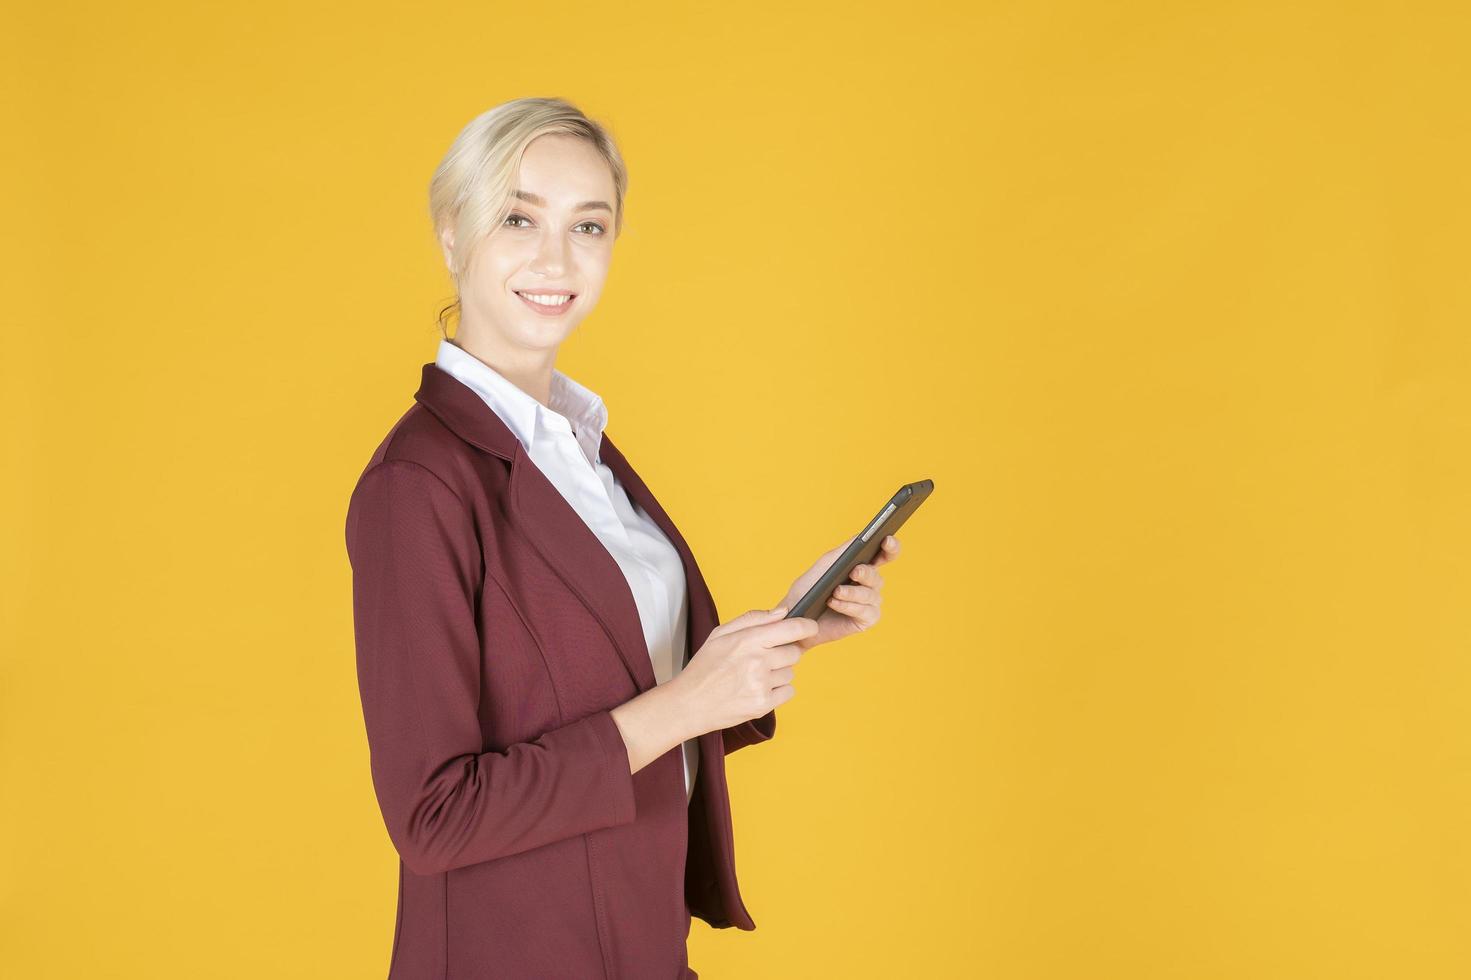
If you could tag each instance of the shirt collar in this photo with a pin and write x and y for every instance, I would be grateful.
(573, 407)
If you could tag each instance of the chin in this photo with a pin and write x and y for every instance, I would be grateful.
(546, 335)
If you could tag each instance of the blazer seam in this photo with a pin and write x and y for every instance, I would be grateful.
(394, 435)
(599, 909)
(420, 466)
(540, 650)
(399, 924)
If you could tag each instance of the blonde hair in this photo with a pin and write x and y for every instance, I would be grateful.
(470, 192)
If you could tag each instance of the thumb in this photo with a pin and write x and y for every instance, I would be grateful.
(759, 615)
(750, 618)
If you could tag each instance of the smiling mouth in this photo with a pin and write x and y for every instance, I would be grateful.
(554, 299)
(547, 304)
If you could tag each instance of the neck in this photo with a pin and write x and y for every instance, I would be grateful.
(531, 371)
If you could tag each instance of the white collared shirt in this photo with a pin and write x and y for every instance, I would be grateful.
(564, 441)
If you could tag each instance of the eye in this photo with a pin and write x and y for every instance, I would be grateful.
(514, 216)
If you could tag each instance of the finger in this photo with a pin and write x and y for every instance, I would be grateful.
(751, 618)
(783, 631)
(861, 612)
(857, 593)
(782, 675)
(784, 656)
(889, 552)
(866, 574)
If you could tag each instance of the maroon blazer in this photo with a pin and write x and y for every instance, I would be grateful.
(494, 635)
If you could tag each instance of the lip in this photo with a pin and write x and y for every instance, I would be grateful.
(546, 310)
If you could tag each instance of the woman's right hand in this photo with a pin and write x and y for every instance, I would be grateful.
(744, 669)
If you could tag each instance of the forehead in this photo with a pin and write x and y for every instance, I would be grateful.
(564, 171)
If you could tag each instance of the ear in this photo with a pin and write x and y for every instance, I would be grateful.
(447, 246)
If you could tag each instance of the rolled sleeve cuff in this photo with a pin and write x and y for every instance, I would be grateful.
(617, 772)
(749, 732)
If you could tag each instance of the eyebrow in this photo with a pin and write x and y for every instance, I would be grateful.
(541, 202)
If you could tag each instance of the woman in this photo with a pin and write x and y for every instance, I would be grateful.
(524, 612)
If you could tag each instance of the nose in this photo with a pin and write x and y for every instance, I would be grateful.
(550, 259)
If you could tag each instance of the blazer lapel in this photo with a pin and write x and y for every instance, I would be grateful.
(539, 512)
(702, 611)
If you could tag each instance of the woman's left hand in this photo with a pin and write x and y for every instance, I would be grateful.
(853, 608)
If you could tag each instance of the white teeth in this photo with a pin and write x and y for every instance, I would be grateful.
(547, 299)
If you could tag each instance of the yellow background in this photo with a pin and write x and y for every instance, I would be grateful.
(1170, 300)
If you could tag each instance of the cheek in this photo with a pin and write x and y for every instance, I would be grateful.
(497, 262)
(493, 289)
(504, 270)
(593, 273)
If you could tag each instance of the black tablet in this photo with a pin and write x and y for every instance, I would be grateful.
(887, 521)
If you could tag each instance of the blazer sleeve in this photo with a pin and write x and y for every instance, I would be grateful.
(749, 732)
(417, 572)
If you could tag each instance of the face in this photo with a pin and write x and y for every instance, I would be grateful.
(556, 241)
